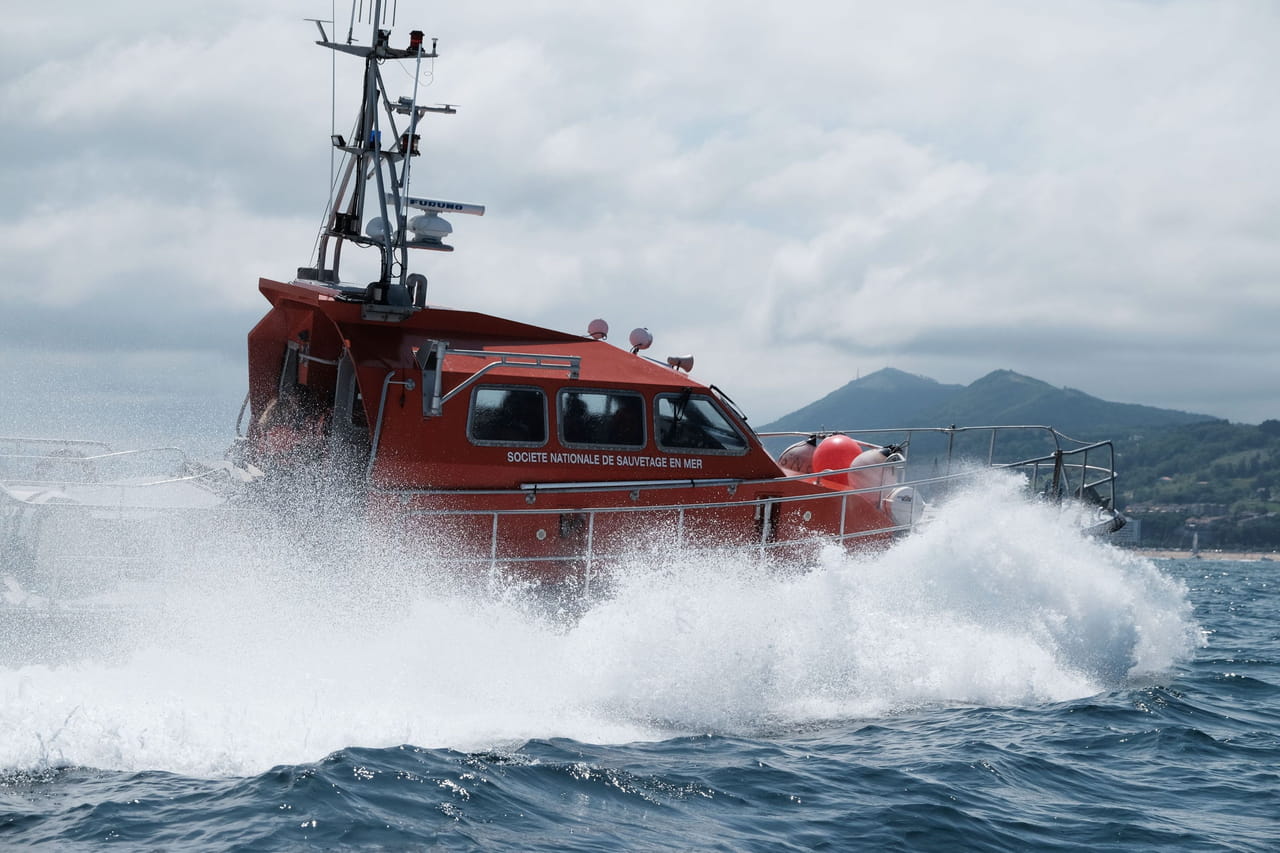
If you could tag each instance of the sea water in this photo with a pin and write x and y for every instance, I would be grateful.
(994, 682)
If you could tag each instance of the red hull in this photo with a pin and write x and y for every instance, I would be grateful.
(544, 502)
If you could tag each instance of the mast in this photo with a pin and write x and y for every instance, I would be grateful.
(370, 205)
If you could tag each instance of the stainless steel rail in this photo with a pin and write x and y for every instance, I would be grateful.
(23, 468)
(1055, 475)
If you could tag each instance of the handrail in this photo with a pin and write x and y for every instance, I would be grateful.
(1058, 438)
(93, 464)
(644, 485)
(374, 443)
(994, 429)
(26, 440)
(1075, 475)
(816, 496)
(108, 455)
(113, 484)
(535, 361)
(240, 417)
(945, 429)
(588, 556)
(431, 361)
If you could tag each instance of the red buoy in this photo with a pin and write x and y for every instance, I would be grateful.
(835, 452)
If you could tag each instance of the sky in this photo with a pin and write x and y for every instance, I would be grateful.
(797, 194)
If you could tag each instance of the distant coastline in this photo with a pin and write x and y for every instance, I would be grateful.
(1245, 556)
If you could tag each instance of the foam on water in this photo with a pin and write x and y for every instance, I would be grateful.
(256, 651)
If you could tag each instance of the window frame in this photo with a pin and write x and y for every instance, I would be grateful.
(618, 392)
(489, 442)
(715, 405)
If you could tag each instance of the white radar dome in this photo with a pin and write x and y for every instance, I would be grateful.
(640, 339)
(430, 226)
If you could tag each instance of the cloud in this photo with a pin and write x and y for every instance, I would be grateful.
(795, 193)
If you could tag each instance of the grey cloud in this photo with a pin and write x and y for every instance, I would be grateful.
(1075, 192)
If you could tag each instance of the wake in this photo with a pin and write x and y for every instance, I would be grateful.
(252, 648)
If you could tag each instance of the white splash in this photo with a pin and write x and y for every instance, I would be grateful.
(258, 652)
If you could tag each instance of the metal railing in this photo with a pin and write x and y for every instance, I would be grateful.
(76, 516)
(1061, 451)
(1071, 468)
(58, 463)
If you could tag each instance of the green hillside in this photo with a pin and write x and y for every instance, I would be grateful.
(1219, 480)
(1184, 476)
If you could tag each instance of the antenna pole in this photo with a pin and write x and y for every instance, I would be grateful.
(371, 140)
(373, 184)
(401, 213)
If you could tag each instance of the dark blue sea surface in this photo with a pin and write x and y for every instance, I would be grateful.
(994, 683)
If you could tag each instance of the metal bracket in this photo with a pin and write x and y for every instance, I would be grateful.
(431, 360)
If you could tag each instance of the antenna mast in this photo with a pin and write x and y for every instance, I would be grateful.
(375, 178)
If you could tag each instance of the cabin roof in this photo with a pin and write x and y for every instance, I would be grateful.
(602, 363)
(456, 322)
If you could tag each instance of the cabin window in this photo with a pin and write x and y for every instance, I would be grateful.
(601, 418)
(686, 423)
(508, 415)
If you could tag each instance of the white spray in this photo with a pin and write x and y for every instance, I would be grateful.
(257, 651)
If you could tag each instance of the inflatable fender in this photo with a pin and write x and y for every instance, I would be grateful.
(833, 453)
(887, 476)
(799, 456)
(905, 506)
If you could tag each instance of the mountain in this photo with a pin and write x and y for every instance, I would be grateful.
(1005, 397)
(884, 399)
(892, 398)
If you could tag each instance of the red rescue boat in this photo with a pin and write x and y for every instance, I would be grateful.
(510, 444)
(480, 439)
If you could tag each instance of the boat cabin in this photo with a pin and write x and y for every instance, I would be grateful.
(500, 438)
(449, 399)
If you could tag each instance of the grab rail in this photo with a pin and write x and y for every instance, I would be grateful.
(1063, 444)
(1079, 472)
(72, 456)
(589, 556)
